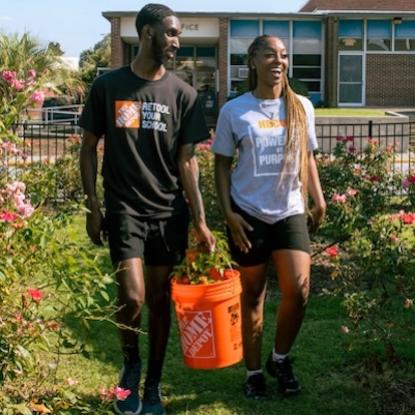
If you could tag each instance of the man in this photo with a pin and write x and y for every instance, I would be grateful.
(151, 121)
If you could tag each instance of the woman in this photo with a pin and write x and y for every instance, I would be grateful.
(263, 201)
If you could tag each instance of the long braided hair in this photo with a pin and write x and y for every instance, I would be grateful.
(297, 137)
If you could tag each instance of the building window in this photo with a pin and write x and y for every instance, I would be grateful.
(405, 35)
(379, 35)
(306, 57)
(244, 28)
(350, 35)
(279, 29)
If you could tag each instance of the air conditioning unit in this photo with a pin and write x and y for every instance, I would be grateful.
(243, 73)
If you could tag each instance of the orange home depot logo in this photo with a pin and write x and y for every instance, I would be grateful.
(264, 124)
(127, 114)
(197, 334)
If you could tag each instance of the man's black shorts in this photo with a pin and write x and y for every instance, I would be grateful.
(157, 241)
(288, 233)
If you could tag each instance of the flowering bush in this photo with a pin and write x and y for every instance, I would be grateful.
(408, 184)
(375, 272)
(200, 267)
(356, 185)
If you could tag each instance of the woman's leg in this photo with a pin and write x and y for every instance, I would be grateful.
(293, 270)
(253, 281)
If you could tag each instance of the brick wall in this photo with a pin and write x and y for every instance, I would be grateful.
(223, 60)
(390, 80)
(117, 47)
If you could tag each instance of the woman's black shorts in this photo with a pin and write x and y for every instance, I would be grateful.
(288, 233)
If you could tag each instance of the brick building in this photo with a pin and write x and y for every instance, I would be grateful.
(347, 53)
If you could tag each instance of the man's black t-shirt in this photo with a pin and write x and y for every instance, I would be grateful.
(144, 123)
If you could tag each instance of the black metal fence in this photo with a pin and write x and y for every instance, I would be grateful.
(47, 143)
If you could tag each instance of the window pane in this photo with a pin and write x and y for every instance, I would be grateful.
(208, 52)
(351, 68)
(379, 29)
(379, 44)
(240, 45)
(312, 85)
(350, 43)
(405, 35)
(351, 28)
(307, 60)
(404, 44)
(307, 29)
(307, 38)
(185, 51)
(406, 29)
(309, 73)
(244, 28)
(238, 87)
(350, 93)
(276, 28)
(239, 59)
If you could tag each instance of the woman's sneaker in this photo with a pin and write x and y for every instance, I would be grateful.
(129, 379)
(152, 399)
(255, 387)
(283, 371)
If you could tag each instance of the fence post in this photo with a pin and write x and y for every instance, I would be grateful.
(370, 128)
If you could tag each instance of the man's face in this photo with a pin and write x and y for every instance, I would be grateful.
(165, 41)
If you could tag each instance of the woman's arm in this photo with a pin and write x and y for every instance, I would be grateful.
(236, 223)
(318, 210)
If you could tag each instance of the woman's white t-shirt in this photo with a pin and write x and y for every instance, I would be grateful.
(256, 130)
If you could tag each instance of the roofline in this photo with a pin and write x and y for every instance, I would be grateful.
(368, 12)
(109, 14)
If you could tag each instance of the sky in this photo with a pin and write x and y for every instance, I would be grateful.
(78, 24)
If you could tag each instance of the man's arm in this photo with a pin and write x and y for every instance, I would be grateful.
(189, 174)
(318, 210)
(89, 168)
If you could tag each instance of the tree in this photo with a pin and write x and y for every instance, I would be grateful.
(93, 58)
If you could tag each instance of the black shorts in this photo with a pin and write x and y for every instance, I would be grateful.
(265, 238)
(157, 241)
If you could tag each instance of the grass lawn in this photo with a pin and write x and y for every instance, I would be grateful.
(349, 112)
(326, 371)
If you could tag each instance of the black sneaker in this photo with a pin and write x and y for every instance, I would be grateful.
(283, 371)
(152, 399)
(255, 387)
(129, 379)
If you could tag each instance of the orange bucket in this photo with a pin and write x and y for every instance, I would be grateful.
(209, 320)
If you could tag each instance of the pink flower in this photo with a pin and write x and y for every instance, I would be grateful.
(71, 381)
(37, 96)
(341, 138)
(350, 138)
(352, 149)
(9, 76)
(31, 73)
(121, 393)
(8, 216)
(35, 294)
(17, 84)
(338, 198)
(344, 329)
(374, 179)
(25, 210)
(332, 251)
(351, 192)
(373, 142)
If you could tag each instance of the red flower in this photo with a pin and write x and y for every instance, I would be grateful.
(35, 294)
(407, 218)
(332, 251)
(8, 216)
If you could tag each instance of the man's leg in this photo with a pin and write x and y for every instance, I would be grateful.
(131, 293)
(159, 320)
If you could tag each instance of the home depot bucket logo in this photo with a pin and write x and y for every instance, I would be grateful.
(197, 334)
(127, 114)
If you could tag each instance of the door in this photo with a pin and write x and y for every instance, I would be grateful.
(351, 83)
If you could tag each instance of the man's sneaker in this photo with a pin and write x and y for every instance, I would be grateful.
(129, 379)
(152, 399)
(283, 371)
(255, 387)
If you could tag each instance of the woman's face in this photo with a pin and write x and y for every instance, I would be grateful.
(271, 62)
